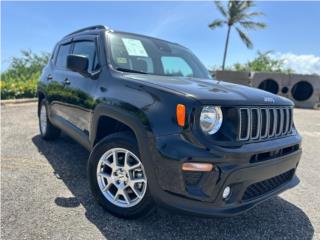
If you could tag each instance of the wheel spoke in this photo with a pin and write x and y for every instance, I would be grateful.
(109, 164)
(106, 176)
(108, 185)
(115, 159)
(140, 180)
(126, 158)
(126, 196)
(116, 196)
(135, 191)
(134, 166)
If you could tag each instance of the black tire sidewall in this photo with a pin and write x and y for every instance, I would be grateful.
(119, 140)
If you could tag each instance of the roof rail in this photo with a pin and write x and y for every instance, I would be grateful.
(89, 28)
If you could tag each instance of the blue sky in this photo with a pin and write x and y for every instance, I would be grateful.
(292, 32)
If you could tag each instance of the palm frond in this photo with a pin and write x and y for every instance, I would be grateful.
(221, 8)
(252, 25)
(254, 14)
(243, 16)
(246, 5)
(233, 10)
(244, 38)
(216, 23)
(239, 17)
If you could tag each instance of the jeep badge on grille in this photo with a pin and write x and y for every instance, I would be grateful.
(269, 99)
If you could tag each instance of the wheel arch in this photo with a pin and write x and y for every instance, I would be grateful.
(127, 121)
(142, 130)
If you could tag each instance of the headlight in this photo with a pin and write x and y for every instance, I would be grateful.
(210, 119)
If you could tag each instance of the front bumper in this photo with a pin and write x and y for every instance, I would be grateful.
(251, 182)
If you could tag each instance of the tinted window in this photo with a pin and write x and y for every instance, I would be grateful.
(87, 49)
(62, 55)
(176, 66)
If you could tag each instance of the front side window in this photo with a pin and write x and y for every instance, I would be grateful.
(139, 54)
(176, 66)
(87, 49)
(63, 52)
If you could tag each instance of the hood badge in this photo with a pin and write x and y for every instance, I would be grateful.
(269, 99)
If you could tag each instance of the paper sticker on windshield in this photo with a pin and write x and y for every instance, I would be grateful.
(134, 47)
(122, 60)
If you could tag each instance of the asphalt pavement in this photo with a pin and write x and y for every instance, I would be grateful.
(45, 193)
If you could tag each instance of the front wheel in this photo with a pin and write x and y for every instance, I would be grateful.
(118, 178)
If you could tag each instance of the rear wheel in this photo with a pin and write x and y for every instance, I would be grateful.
(118, 178)
(47, 130)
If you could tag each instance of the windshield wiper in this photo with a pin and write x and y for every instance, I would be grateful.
(130, 70)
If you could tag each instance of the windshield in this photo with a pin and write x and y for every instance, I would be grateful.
(137, 54)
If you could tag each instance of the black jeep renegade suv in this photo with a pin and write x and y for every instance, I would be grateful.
(161, 131)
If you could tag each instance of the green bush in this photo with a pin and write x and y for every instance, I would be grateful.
(20, 79)
(263, 63)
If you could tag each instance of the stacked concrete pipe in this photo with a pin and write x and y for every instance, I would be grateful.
(304, 90)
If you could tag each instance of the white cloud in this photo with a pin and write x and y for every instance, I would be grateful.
(303, 64)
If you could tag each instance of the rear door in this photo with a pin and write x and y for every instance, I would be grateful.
(81, 88)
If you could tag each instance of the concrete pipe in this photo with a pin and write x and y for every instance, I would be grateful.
(305, 90)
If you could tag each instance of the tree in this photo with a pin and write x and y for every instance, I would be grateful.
(237, 14)
(262, 63)
(20, 79)
(23, 67)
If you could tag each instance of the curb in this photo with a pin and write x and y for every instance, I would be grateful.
(18, 101)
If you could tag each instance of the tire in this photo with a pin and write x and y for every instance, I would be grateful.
(118, 181)
(47, 130)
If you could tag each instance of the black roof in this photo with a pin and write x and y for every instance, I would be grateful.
(98, 28)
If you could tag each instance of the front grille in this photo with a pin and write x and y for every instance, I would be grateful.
(265, 122)
(263, 187)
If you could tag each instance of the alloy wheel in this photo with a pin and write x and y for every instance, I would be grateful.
(121, 177)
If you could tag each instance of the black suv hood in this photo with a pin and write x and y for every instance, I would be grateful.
(210, 91)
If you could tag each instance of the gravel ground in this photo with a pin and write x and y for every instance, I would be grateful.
(44, 193)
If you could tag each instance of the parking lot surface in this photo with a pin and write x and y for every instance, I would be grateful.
(45, 193)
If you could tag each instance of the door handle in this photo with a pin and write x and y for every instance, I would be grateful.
(66, 81)
(49, 77)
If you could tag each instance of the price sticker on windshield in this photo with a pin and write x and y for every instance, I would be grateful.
(134, 47)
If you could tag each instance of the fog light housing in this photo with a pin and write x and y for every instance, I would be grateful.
(226, 192)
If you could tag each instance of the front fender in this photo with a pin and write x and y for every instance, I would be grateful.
(139, 125)
(126, 114)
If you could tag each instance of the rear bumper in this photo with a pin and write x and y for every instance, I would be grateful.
(250, 182)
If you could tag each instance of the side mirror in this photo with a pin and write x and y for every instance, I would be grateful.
(78, 63)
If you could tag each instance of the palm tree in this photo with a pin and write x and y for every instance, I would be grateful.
(237, 14)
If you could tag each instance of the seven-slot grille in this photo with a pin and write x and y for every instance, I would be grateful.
(264, 122)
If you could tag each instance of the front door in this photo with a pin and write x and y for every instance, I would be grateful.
(81, 88)
(56, 91)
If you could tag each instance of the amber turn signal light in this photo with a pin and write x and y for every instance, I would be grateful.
(197, 167)
(181, 114)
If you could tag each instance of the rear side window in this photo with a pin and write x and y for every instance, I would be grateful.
(62, 55)
(87, 49)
